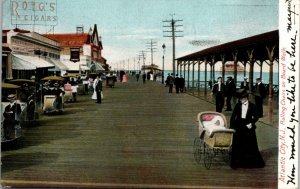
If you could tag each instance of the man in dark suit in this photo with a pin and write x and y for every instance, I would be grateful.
(177, 83)
(171, 82)
(245, 152)
(245, 84)
(259, 93)
(218, 92)
(99, 89)
(230, 92)
(11, 112)
(181, 83)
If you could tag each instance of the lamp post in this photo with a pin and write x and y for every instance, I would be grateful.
(163, 64)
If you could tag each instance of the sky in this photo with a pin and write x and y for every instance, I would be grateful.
(127, 27)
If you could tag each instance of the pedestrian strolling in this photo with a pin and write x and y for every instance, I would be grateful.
(144, 78)
(171, 82)
(177, 83)
(94, 96)
(99, 90)
(245, 84)
(181, 84)
(11, 116)
(245, 152)
(230, 92)
(259, 93)
(168, 80)
(218, 93)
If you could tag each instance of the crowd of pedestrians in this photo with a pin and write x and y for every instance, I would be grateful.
(179, 83)
(221, 90)
(245, 152)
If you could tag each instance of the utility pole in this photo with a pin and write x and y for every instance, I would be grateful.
(128, 65)
(139, 63)
(173, 34)
(143, 56)
(152, 46)
(134, 68)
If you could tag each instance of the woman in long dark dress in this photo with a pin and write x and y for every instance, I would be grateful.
(245, 152)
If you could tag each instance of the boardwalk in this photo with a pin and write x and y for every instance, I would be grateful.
(140, 136)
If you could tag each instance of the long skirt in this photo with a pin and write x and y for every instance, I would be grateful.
(94, 96)
(245, 152)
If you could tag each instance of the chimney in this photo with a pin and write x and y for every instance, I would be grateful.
(79, 29)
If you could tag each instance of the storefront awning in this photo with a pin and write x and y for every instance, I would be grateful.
(95, 66)
(99, 66)
(59, 66)
(75, 66)
(25, 62)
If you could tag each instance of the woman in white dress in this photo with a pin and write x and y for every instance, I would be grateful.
(94, 96)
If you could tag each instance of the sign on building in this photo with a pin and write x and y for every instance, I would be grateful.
(75, 54)
(33, 12)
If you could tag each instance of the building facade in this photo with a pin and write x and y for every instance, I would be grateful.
(29, 54)
(90, 48)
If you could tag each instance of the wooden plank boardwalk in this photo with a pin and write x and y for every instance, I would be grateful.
(139, 137)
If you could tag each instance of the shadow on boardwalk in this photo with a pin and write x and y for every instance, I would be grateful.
(139, 137)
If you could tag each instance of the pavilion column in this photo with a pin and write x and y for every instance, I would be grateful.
(223, 65)
(188, 72)
(193, 76)
(245, 67)
(251, 61)
(235, 62)
(271, 60)
(205, 77)
(180, 69)
(199, 63)
(261, 68)
(178, 64)
(184, 71)
(213, 67)
(210, 75)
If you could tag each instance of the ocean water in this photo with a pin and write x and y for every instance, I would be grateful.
(240, 76)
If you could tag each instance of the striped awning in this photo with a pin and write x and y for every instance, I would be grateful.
(59, 66)
(26, 62)
(96, 66)
(74, 66)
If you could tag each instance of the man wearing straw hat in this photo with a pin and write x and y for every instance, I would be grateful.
(245, 152)
(10, 113)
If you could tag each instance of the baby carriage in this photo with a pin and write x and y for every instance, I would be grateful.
(214, 138)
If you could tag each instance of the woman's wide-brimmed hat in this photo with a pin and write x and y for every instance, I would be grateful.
(242, 93)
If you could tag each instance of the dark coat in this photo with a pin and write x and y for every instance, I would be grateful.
(245, 85)
(98, 91)
(219, 96)
(216, 88)
(245, 152)
(177, 81)
(251, 117)
(260, 90)
(9, 116)
(99, 86)
(230, 89)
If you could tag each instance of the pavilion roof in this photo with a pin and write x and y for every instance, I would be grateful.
(257, 42)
